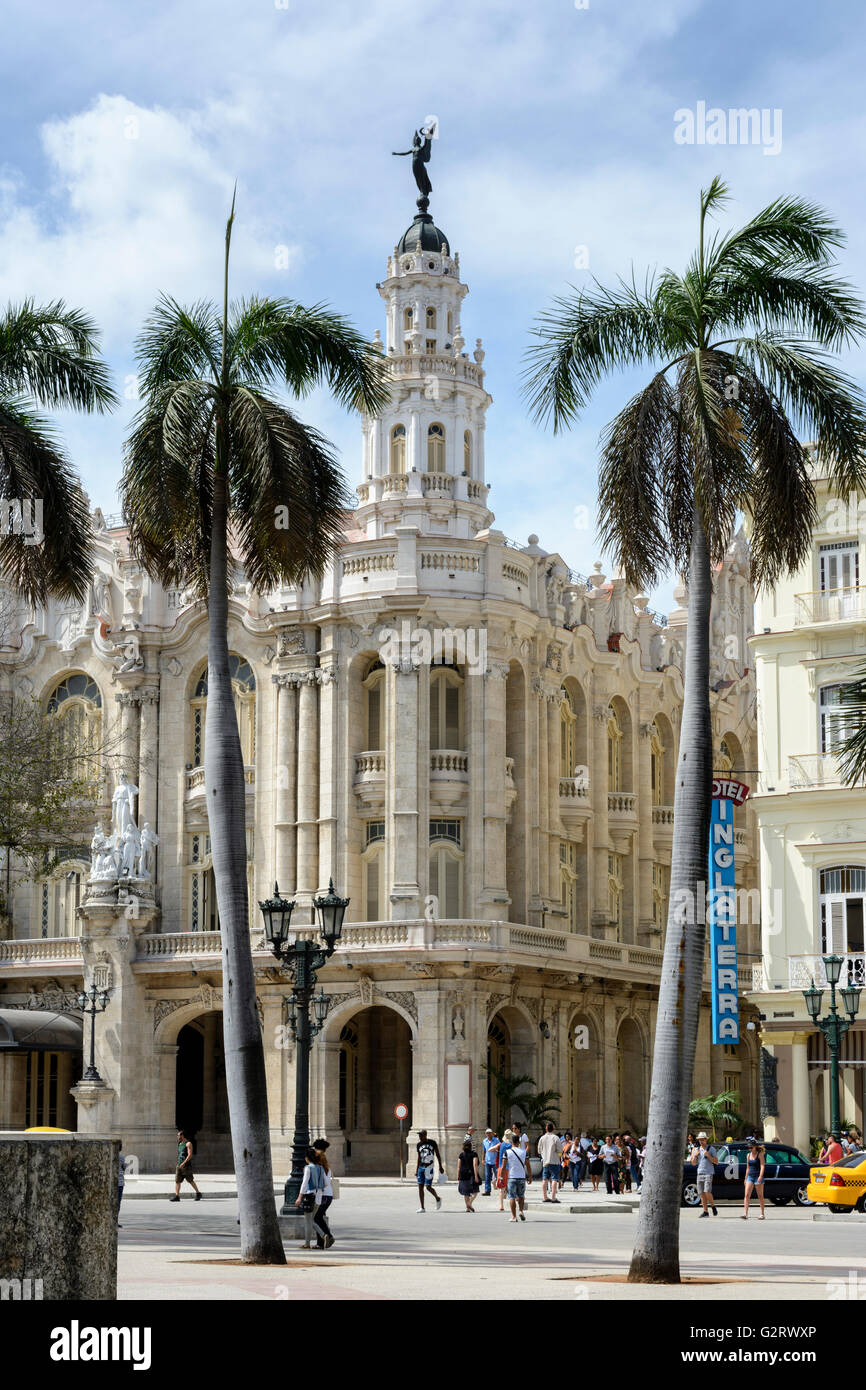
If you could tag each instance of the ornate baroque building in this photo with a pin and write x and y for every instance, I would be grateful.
(477, 744)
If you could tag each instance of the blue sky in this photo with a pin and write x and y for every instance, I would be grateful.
(125, 127)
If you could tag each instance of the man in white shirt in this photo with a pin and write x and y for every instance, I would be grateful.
(550, 1153)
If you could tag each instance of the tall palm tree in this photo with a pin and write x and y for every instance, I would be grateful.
(216, 466)
(48, 359)
(740, 343)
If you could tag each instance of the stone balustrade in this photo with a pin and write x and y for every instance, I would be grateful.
(621, 803)
(574, 789)
(447, 762)
(41, 948)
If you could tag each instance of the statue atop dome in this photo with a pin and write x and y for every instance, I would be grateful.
(420, 153)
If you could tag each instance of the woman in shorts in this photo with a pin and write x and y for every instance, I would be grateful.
(468, 1183)
(755, 1165)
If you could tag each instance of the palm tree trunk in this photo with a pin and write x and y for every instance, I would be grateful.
(655, 1258)
(242, 1038)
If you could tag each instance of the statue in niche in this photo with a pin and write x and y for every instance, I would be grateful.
(147, 853)
(458, 1023)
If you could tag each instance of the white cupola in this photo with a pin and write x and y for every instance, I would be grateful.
(423, 457)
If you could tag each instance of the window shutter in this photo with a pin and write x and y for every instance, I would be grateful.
(373, 889)
(837, 926)
(452, 886)
(452, 717)
(435, 687)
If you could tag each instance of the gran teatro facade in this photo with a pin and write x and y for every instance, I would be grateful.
(477, 744)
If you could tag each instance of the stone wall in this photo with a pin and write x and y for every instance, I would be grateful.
(58, 1217)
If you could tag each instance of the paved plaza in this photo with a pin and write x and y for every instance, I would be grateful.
(385, 1250)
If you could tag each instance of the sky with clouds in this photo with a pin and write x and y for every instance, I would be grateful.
(125, 128)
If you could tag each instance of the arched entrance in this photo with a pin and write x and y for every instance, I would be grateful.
(511, 1051)
(631, 1063)
(201, 1100)
(584, 1073)
(374, 1075)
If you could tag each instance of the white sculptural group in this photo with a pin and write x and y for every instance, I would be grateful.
(127, 852)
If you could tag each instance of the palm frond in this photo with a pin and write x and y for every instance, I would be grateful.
(34, 469)
(788, 227)
(581, 339)
(177, 343)
(851, 752)
(635, 455)
(277, 338)
(288, 500)
(49, 352)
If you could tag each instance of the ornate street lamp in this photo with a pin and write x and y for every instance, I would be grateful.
(303, 957)
(833, 1026)
(93, 1001)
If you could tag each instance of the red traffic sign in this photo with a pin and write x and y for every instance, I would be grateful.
(401, 1111)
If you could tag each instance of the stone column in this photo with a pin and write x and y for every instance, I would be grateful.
(644, 839)
(543, 802)
(403, 774)
(148, 761)
(554, 700)
(598, 790)
(491, 748)
(130, 712)
(610, 1067)
(285, 850)
(308, 793)
(328, 765)
(801, 1095)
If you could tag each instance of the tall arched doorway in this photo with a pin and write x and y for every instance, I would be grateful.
(511, 1050)
(584, 1073)
(201, 1099)
(631, 1065)
(375, 1075)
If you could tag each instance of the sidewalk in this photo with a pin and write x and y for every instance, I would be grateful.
(147, 1186)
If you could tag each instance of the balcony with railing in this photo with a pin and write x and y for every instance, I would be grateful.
(195, 782)
(449, 776)
(830, 606)
(622, 806)
(575, 807)
(369, 778)
(663, 825)
(804, 971)
(813, 770)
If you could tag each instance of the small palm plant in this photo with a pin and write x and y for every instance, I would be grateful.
(48, 359)
(538, 1107)
(740, 346)
(722, 1109)
(512, 1092)
(215, 467)
(851, 745)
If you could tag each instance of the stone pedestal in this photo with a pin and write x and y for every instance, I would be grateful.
(58, 1217)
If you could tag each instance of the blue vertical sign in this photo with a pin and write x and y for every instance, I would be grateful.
(723, 910)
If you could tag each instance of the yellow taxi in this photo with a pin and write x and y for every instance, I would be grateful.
(840, 1186)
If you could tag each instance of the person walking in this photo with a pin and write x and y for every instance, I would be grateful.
(633, 1161)
(595, 1163)
(514, 1162)
(428, 1154)
(324, 1238)
(755, 1165)
(468, 1182)
(502, 1167)
(832, 1150)
(491, 1159)
(575, 1164)
(703, 1155)
(610, 1157)
(310, 1195)
(550, 1152)
(183, 1172)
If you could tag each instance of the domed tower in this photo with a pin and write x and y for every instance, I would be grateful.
(423, 457)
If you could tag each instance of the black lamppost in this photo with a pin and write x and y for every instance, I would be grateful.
(93, 1001)
(834, 1027)
(304, 957)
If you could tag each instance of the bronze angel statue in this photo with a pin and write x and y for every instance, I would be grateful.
(420, 153)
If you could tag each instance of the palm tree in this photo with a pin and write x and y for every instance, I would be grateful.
(741, 344)
(720, 1109)
(48, 359)
(511, 1092)
(538, 1107)
(213, 458)
(851, 745)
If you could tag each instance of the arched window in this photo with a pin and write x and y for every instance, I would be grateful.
(408, 318)
(843, 902)
(202, 910)
(244, 691)
(347, 1116)
(615, 893)
(77, 707)
(657, 761)
(567, 735)
(431, 316)
(568, 882)
(446, 709)
(614, 753)
(374, 707)
(398, 449)
(61, 896)
(446, 878)
(467, 452)
(726, 761)
(436, 449)
(450, 322)
(661, 889)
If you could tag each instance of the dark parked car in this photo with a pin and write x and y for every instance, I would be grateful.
(786, 1175)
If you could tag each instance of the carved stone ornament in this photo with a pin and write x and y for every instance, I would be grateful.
(290, 641)
(405, 999)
